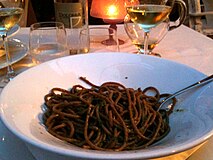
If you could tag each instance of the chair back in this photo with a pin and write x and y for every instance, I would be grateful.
(208, 6)
(201, 16)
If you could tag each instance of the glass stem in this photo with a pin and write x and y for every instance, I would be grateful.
(10, 72)
(146, 42)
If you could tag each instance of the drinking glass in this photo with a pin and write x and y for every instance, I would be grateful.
(11, 12)
(47, 41)
(101, 39)
(148, 14)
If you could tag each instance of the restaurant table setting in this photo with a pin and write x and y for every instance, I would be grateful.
(181, 46)
(137, 90)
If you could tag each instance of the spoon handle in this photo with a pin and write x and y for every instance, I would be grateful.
(199, 83)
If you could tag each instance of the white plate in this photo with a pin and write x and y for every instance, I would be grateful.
(12, 148)
(17, 49)
(191, 122)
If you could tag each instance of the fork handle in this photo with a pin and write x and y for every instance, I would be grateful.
(201, 82)
(197, 84)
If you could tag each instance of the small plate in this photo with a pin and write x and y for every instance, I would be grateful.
(18, 51)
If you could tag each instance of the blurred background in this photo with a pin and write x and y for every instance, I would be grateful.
(43, 10)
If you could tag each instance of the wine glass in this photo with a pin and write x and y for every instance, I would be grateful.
(136, 35)
(148, 14)
(11, 12)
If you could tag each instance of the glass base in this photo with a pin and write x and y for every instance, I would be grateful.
(109, 42)
(155, 54)
(150, 53)
(5, 79)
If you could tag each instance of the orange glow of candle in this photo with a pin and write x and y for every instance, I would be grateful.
(108, 9)
(112, 11)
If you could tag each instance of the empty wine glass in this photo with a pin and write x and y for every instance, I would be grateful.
(148, 14)
(10, 14)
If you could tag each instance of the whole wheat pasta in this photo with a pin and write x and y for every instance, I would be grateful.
(107, 117)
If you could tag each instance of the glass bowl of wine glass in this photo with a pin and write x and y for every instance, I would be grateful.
(11, 12)
(137, 34)
(148, 14)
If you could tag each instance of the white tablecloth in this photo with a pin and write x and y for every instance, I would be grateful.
(182, 45)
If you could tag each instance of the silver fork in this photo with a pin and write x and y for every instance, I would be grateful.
(197, 84)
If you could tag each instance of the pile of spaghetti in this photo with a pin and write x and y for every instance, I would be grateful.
(107, 117)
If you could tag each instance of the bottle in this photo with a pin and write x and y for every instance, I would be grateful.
(74, 15)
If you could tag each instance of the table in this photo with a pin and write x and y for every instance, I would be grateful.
(182, 45)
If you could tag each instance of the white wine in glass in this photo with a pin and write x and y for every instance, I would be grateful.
(11, 12)
(136, 35)
(155, 36)
(148, 14)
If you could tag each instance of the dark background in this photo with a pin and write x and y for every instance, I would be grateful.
(43, 10)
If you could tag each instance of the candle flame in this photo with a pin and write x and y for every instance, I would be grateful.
(112, 11)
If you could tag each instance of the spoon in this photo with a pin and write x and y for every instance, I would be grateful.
(197, 84)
